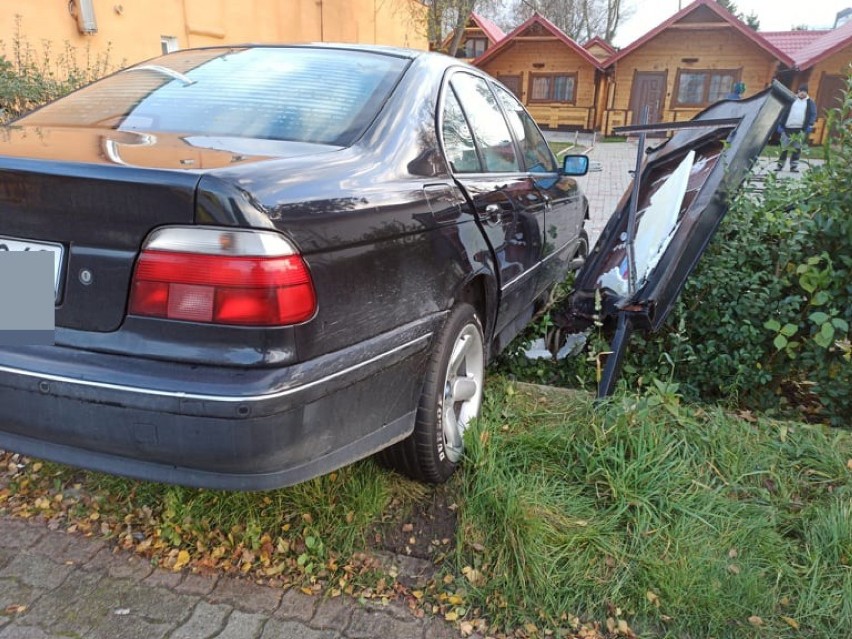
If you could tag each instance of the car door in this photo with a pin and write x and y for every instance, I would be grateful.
(563, 203)
(504, 199)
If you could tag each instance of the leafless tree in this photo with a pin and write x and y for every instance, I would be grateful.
(449, 16)
(580, 19)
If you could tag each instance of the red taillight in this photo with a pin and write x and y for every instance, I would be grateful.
(222, 289)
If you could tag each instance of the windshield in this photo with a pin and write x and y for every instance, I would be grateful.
(323, 96)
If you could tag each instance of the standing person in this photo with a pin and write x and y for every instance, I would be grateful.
(800, 121)
(736, 91)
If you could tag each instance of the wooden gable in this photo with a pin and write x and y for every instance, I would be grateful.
(549, 72)
(701, 15)
(686, 63)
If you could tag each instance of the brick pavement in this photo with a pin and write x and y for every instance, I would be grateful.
(56, 585)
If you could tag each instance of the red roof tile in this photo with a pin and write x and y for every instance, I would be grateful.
(552, 28)
(827, 45)
(723, 13)
(494, 33)
(791, 41)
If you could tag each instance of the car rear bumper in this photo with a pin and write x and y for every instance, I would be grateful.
(212, 427)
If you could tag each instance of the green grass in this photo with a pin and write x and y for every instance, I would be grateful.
(682, 521)
(565, 148)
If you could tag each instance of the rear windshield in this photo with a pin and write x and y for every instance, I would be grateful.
(322, 96)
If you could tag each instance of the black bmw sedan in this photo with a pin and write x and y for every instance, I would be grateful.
(273, 261)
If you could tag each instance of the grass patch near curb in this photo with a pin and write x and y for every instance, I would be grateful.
(648, 514)
(645, 515)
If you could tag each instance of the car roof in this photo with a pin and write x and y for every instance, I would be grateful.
(400, 52)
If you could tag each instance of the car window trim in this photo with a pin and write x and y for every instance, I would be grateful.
(512, 133)
(447, 79)
(439, 125)
(446, 87)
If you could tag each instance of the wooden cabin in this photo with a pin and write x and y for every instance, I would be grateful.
(825, 64)
(685, 64)
(549, 72)
(480, 35)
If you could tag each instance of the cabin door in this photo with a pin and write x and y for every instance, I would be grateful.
(649, 89)
(829, 96)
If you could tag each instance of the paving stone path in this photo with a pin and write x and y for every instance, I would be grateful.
(56, 585)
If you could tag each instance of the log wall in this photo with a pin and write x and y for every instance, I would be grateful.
(554, 56)
(696, 47)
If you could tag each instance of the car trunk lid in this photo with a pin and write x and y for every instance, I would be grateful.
(97, 193)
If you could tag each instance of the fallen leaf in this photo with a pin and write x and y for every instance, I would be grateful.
(754, 620)
(732, 553)
(121, 612)
(182, 560)
(14, 609)
(734, 569)
(791, 622)
(466, 628)
(451, 616)
(653, 598)
(849, 464)
(407, 528)
(472, 575)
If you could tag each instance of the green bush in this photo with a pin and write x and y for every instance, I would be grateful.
(764, 319)
(31, 77)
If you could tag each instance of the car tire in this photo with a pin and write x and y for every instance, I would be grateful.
(450, 399)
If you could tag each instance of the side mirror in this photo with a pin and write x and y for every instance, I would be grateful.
(576, 165)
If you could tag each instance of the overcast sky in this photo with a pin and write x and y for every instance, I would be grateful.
(774, 15)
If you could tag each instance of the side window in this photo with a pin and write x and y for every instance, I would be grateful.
(458, 141)
(537, 154)
(489, 127)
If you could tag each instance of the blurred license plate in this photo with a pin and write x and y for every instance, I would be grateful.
(13, 244)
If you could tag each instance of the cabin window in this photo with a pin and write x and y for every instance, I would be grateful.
(475, 47)
(700, 88)
(552, 87)
(512, 82)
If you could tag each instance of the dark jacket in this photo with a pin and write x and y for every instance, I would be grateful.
(810, 118)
